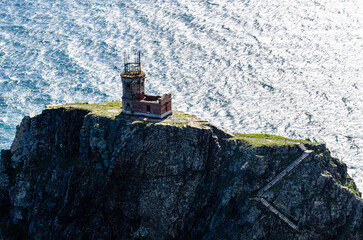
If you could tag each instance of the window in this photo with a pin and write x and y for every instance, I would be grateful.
(148, 109)
(166, 107)
(128, 85)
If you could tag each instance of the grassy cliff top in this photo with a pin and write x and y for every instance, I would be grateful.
(179, 119)
(113, 110)
(257, 140)
(106, 109)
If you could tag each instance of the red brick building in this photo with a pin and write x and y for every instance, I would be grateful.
(134, 99)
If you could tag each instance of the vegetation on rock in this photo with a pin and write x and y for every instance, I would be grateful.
(113, 110)
(258, 140)
(86, 171)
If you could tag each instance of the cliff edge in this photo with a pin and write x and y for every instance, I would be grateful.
(86, 171)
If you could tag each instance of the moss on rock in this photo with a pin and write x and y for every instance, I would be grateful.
(257, 140)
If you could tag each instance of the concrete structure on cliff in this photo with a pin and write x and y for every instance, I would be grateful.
(134, 99)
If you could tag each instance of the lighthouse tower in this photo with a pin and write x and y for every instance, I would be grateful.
(133, 81)
(134, 99)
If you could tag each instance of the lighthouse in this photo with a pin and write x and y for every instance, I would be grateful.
(134, 99)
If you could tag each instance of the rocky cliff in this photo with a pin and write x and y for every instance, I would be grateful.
(85, 171)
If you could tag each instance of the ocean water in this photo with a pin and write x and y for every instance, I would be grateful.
(290, 67)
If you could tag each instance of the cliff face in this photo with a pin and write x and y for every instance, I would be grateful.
(87, 172)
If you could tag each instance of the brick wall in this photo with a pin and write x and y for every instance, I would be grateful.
(165, 106)
(142, 107)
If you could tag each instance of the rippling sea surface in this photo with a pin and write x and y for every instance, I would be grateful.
(289, 67)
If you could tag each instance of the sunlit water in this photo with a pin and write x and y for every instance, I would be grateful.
(288, 67)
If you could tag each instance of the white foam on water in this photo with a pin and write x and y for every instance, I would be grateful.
(291, 68)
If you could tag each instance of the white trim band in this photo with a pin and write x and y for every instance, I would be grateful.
(149, 114)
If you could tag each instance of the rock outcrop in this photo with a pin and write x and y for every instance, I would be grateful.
(85, 171)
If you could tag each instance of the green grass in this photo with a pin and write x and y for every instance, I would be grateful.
(257, 140)
(331, 163)
(113, 110)
(106, 109)
(178, 119)
(350, 185)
